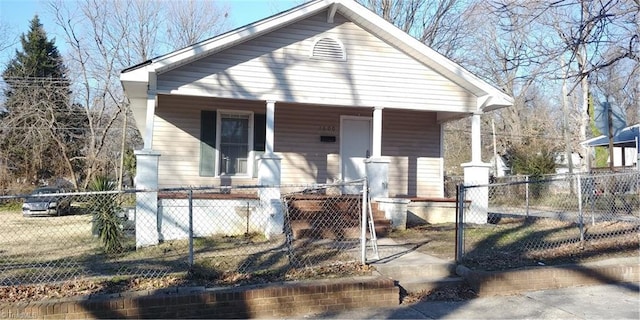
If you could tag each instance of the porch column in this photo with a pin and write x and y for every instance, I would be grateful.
(151, 111)
(638, 150)
(271, 111)
(476, 139)
(146, 201)
(377, 168)
(269, 175)
(476, 173)
(377, 133)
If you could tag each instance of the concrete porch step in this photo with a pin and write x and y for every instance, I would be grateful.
(351, 230)
(426, 285)
(430, 271)
(413, 270)
(422, 278)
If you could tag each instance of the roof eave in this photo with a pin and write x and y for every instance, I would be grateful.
(194, 52)
(426, 55)
(495, 99)
(136, 82)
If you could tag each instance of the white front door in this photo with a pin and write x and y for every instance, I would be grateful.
(355, 147)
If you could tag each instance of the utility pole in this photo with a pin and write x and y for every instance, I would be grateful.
(610, 133)
(565, 125)
(122, 146)
(565, 128)
(495, 151)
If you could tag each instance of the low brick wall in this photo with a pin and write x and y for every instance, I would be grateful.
(269, 300)
(486, 283)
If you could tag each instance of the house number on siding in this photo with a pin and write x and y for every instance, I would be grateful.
(327, 128)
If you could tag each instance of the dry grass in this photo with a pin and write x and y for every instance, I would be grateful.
(45, 238)
(517, 242)
(54, 257)
(62, 248)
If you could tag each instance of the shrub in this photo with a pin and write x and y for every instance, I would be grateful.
(105, 207)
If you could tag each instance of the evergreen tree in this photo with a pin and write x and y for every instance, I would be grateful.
(41, 128)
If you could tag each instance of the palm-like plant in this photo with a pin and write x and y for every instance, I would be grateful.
(105, 207)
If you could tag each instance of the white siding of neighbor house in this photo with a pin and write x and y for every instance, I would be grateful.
(277, 66)
(411, 140)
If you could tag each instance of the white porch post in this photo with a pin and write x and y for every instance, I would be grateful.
(271, 111)
(151, 111)
(147, 179)
(476, 141)
(147, 201)
(476, 173)
(377, 133)
(377, 168)
(269, 175)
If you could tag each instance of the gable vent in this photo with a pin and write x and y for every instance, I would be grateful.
(328, 49)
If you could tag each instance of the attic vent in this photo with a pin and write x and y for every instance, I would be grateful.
(328, 49)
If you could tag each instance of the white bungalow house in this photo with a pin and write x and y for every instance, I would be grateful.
(304, 96)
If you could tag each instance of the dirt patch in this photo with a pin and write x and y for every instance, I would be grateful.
(458, 293)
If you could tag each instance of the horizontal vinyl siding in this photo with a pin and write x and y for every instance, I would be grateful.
(305, 159)
(278, 66)
(411, 141)
(176, 137)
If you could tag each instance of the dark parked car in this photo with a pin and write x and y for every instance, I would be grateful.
(46, 201)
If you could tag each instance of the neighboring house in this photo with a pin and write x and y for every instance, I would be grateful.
(499, 167)
(625, 146)
(624, 157)
(304, 96)
(560, 158)
(562, 162)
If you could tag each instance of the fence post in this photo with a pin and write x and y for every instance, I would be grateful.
(459, 222)
(580, 222)
(190, 197)
(526, 187)
(363, 224)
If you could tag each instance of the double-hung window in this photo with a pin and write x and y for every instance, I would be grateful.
(235, 130)
(230, 142)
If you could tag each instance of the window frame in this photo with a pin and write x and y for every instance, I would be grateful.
(250, 138)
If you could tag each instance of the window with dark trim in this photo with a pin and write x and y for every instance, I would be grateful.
(229, 146)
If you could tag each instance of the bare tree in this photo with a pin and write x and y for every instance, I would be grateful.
(106, 37)
(6, 40)
(190, 21)
(440, 25)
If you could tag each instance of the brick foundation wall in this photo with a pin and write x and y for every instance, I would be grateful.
(487, 283)
(270, 300)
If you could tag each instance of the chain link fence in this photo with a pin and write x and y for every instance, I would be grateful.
(58, 236)
(539, 220)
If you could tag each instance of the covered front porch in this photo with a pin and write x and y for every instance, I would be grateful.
(293, 143)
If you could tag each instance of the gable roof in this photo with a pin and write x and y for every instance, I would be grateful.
(140, 78)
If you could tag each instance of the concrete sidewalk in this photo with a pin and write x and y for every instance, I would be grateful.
(591, 302)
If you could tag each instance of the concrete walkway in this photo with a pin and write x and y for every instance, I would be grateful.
(592, 302)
